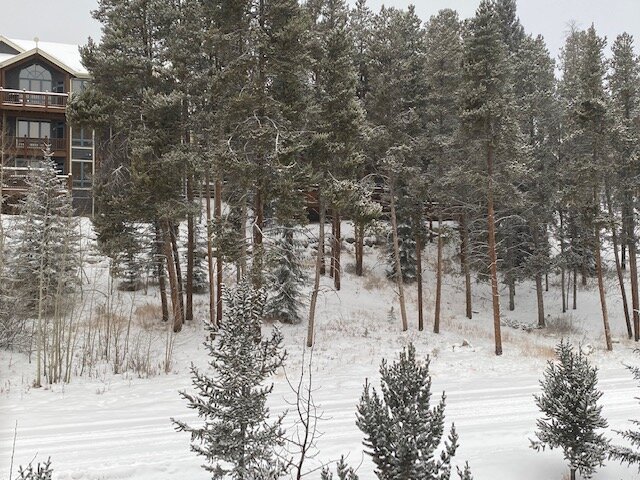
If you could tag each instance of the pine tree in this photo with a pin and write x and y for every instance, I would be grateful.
(408, 257)
(237, 437)
(571, 414)
(41, 472)
(403, 433)
(46, 254)
(285, 280)
(344, 471)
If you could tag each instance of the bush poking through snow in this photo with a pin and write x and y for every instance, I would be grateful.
(403, 434)
(572, 416)
(41, 472)
(237, 438)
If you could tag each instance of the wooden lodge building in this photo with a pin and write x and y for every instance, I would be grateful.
(36, 79)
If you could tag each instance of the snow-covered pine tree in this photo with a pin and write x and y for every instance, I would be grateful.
(571, 414)
(285, 279)
(42, 471)
(237, 437)
(408, 259)
(344, 471)
(629, 454)
(46, 253)
(403, 433)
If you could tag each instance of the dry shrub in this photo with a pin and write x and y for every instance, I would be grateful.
(562, 325)
(532, 350)
(373, 282)
(148, 315)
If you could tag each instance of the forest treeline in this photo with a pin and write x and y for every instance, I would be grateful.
(235, 111)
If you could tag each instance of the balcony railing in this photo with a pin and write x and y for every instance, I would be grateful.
(14, 179)
(35, 146)
(25, 99)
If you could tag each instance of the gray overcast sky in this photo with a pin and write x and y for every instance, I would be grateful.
(69, 21)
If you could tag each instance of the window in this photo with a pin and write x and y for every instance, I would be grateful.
(34, 129)
(82, 154)
(77, 84)
(35, 78)
(81, 172)
(82, 137)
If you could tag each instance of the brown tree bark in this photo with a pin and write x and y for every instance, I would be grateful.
(218, 214)
(630, 236)
(212, 289)
(614, 240)
(493, 258)
(464, 258)
(316, 279)
(562, 269)
(337, 239)
(575, 288)
(603, 299)
(396, 251)
(258, 248)
(173, 279)
(419, 269)
(359, 234)
(191, 248)
(436, 321)
(176, 258)
(332, 258)
(162, 284)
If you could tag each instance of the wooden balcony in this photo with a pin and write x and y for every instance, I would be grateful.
(21, 100)
(14, 185)
(34, 147)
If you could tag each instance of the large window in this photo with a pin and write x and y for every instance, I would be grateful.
(36, 79)
(82, 172)
(34, 129)
(82, 137)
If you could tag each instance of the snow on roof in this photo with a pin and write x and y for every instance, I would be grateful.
(6, 56)
(66, 54)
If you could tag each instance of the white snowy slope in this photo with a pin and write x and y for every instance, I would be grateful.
(108, 426)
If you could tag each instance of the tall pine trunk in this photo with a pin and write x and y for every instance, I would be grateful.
(218, 214)
(337, 239)
(212, 289)
(562, 268)
(629, 225)
(603, 299)
(464, 259)
(396, 252)
(160, 270)
(173, 279)
(614, 240)
(317, 274)
(258, 247)
(176, 259)
(436, 322)
(359, 234)
(419, 271)
(191, 248)
(493, 257)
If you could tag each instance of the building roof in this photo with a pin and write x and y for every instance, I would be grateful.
(63, 55)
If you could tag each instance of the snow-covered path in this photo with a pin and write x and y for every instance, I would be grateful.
(122, 430)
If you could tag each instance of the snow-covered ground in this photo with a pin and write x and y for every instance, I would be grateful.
(108, 426)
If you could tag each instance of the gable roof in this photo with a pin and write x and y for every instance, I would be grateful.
(65, 56)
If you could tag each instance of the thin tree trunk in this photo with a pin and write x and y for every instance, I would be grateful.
(321, 244)
(332, 258)
(493, 258)
(419, 268)
(212, 289)
(162, 279)
(218, 214)
(191, 248)
(243, 236)
(359, 228)
(464, 255)
(337, 247)
(436, 322)
(575, 288)
(173, 279)
(603, 299)
(512, 294)
(316, 279)
(396, 251)
(630, 237)
(614, 240)
(176, 259)
(562, 269)
(573, 474)
(258, 247)
(540, 299)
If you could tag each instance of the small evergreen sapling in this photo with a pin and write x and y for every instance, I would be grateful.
(403, 433)
(629, 454)
(572, 416)
(344, 471)
(41, 472)
(237, 439)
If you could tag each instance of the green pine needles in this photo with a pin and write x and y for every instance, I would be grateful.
(237, 438)
(571, 414)
(403, 433)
